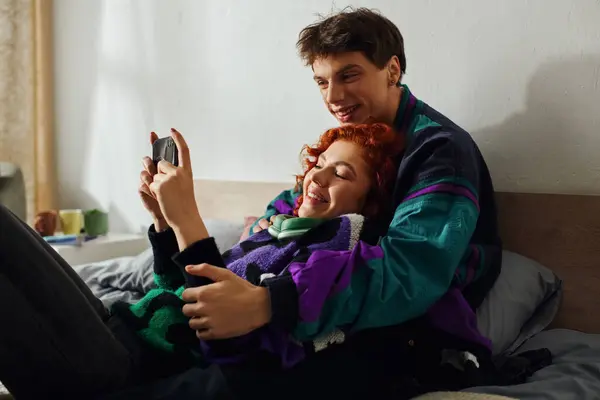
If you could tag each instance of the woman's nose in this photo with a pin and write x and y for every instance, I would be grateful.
(320, 177)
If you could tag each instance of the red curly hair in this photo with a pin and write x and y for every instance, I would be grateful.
(381, 145)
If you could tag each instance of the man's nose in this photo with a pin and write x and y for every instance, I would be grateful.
(335, 93)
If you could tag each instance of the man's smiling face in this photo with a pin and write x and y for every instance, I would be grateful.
(354, 89)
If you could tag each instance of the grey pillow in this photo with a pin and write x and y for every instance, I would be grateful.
(523, 302)
(226, 233)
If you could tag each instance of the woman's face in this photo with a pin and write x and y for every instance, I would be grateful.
(338, 184)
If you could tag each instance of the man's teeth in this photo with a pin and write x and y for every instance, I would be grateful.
(347, 111)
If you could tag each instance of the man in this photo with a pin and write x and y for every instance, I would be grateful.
(444, 229)
(441, 249)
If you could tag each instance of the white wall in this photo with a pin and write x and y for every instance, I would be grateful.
(522, 76)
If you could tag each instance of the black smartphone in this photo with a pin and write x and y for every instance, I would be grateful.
(196, 281)
(165, 149)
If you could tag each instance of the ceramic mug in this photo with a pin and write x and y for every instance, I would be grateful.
(95, 222)
(45, 222)
(71, 221)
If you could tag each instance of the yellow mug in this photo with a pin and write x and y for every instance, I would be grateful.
(71, 221)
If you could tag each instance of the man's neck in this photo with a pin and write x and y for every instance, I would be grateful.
(396, 94)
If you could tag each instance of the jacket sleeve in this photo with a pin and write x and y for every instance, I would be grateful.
(200, 252)
(167, 274)
(410, 268)
(284, 203)
(282, 290)
(170, 263)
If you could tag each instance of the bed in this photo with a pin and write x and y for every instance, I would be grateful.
(559, 232)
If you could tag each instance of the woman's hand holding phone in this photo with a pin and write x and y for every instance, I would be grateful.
(148, 199)
(173, 188)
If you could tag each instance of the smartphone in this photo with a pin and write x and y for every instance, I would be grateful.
(165, 149)
(196, 281)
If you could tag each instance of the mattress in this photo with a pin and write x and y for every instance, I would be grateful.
(573, 375)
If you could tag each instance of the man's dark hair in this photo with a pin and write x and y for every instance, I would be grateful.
(352, 29)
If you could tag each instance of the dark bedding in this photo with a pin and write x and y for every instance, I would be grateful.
(574, 374)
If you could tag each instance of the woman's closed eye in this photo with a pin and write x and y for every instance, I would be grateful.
(342, 174)
(339, 172)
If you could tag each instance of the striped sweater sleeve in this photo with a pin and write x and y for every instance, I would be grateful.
(411, 267)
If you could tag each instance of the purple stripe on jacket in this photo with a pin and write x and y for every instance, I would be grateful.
(282, 207)
(325, 282)
(452, 314)
(445, 188)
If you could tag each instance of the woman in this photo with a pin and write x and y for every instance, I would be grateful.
(58, 339)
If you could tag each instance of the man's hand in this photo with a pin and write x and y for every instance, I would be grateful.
(229, 307)
(263, 224)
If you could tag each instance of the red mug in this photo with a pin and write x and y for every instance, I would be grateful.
(45, 222)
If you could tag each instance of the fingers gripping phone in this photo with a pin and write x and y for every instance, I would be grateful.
(165, 149)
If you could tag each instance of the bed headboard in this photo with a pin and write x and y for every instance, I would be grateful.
(232, 201)
(561, 232)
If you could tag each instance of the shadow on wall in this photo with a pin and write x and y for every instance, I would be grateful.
(553, 146)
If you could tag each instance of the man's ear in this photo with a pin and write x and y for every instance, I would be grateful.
(394, 70)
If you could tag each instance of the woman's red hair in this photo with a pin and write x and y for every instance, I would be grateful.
(380, 144)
